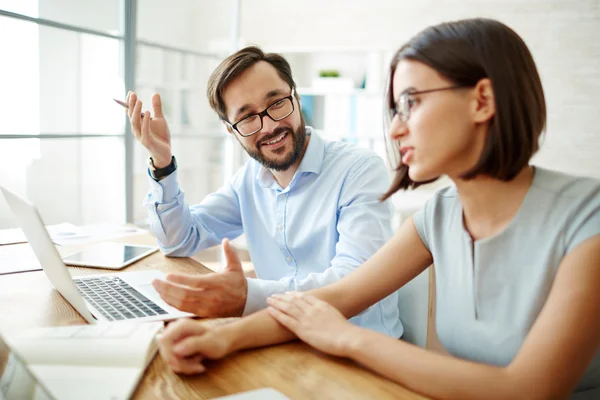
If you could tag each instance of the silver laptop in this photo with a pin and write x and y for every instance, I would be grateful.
(123, 296)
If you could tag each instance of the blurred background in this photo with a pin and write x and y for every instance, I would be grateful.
(65, 145)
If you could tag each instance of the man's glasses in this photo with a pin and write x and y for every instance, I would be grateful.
(277, 111)
(406, 102)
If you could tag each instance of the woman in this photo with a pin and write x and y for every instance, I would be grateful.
(516, 247)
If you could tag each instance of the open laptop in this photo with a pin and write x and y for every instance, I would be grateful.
(123, 296)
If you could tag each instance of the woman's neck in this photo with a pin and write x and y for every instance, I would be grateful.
(490, 204)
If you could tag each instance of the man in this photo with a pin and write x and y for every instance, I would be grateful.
(310, 208)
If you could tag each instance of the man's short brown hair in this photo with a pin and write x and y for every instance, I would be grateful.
(234, 65)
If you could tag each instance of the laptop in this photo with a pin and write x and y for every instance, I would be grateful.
(17, 382)
(99, 298)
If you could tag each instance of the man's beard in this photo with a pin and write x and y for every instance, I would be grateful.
(298, 141)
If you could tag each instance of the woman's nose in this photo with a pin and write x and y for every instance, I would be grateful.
(398, 128)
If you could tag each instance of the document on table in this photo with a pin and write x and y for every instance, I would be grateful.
(18, 258)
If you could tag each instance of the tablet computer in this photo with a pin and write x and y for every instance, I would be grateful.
(109, 255)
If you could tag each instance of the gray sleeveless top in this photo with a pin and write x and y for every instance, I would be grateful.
(489, 294)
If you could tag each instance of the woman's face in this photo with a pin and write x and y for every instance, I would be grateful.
(443, 134)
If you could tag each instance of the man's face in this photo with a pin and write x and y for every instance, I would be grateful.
(278, 144)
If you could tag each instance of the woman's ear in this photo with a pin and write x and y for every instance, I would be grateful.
(485, 102)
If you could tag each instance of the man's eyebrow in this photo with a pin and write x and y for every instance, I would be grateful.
(241, 110)
(273, 93)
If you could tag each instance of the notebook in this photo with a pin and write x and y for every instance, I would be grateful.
(104, 361)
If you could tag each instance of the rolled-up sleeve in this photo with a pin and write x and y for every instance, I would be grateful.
(182, 230)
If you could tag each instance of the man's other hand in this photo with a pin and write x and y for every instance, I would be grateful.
(220, 294)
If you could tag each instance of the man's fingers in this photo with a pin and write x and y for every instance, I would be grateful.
(174, 292)
(136, 117)
(232, 257)
(191, 346)
(188, 366)
(206, 281)
(175, 332)
(180, 329)
(157, 106)
(179, 278)
(184, 298)
(145, 134)
(132, 99)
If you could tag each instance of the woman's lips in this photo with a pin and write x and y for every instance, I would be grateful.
(407, 154)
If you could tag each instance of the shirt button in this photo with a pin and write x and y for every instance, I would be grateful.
(280, 227)
(289, 259)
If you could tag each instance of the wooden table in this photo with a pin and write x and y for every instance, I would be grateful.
(28, 300)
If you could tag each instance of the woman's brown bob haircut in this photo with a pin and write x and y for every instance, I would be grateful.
(464, 52)
(234, 65)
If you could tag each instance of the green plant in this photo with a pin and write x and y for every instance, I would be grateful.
(329, 73)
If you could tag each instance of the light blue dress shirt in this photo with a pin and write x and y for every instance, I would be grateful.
(327, 222)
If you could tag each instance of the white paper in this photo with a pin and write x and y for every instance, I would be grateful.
(12, 236)
(18, 258)
(56, 232)
(94, 233)
(67, 234)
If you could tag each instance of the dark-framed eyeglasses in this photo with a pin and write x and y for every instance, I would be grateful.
(277, 111)
(406, 102)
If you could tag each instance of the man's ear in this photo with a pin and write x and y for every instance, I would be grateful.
(485, 101)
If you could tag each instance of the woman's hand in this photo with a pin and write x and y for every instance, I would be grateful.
(314, 322)
(185, 343)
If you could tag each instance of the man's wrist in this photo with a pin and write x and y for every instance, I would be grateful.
(161, 162)
(229, 333)
(160, 173)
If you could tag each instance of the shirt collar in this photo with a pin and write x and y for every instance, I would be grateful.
(312, 161)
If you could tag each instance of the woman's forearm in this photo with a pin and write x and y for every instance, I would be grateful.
(260, 329)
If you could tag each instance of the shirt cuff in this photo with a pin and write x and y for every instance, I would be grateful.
(260, 289)
(166, 189)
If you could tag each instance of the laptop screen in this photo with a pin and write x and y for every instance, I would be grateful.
(16, 382)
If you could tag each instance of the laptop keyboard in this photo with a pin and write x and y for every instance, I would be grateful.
(115, 299)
